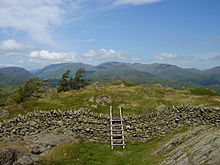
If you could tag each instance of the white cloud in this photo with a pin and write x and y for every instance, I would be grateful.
(32, 16)
(12, 47)
(166, 56)
(170, 56)
(105, 55)
(134, 2)
(6, 65)
(46, 57)
(37, 18)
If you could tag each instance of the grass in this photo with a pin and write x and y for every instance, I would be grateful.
(136, 99)
(101, 154)
(203, 91)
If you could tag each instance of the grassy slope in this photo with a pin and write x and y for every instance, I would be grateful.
(139, 99)
(136, 99)
(101, 154)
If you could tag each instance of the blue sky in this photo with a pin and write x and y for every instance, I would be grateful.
(37, 33)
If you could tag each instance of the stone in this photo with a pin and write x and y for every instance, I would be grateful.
(24, 160)
(161, 108)
(9, 155)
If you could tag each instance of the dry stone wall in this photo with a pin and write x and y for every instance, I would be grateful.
(87, 126)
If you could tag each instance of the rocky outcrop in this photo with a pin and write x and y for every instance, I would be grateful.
(4, 113)
(198, 146)
(9, 155)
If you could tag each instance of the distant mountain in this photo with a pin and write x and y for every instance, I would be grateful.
(15, 72)
(34, 71)
(56, 70)
(214, 72)
(165, 74)
(10, 81)
(134, 72)
(173, 72)
(117, 68)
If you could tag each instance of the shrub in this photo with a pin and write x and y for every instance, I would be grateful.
(203, 91)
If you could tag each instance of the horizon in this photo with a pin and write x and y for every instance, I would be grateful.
(34, 34)
(105, 63)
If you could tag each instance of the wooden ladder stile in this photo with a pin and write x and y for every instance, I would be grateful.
(117, 129)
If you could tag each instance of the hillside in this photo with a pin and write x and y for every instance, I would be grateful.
(173, 72)
(8, 82)
(121, 71)
(72, 127)
(214, 73)
(56, 70)
(15, 72)
(165, 74)
(136, 99)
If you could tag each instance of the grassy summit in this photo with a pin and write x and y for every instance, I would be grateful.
(136, 99)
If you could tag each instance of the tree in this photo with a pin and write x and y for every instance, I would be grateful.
(1, 89)
(64, 82)
(30, 89)
(77, 82)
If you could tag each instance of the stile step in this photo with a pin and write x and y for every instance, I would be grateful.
(116, 120)
(117, 130)
(116, 124)
(117, 139)
(117, 135)
(118, 144)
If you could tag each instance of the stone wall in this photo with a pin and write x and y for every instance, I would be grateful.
(87, 126)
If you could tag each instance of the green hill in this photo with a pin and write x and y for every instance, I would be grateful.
(10, 81)
(136, 99)
(56, 70)
(110, 71)
(172, 72)
(15, 72)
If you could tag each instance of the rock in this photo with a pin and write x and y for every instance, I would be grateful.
(38, 149)
(24, 160)
(9, 155)
(4, 113)
(197, 146)
(161, 108)
(102, 100)
(94, 106)
(91, 99)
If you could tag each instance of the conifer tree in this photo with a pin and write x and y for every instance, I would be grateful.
(64, 82)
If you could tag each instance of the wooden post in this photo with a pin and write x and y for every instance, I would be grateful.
(121, 112)
(122, 127)
(111, 112)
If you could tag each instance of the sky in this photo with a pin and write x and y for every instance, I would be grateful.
(37, 33)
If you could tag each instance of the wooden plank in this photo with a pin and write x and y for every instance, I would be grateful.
(118, 144)
(117, 134)
(117, 120)
(116, 130)
(117, 139)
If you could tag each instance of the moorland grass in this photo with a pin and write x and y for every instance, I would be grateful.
(135, 99)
